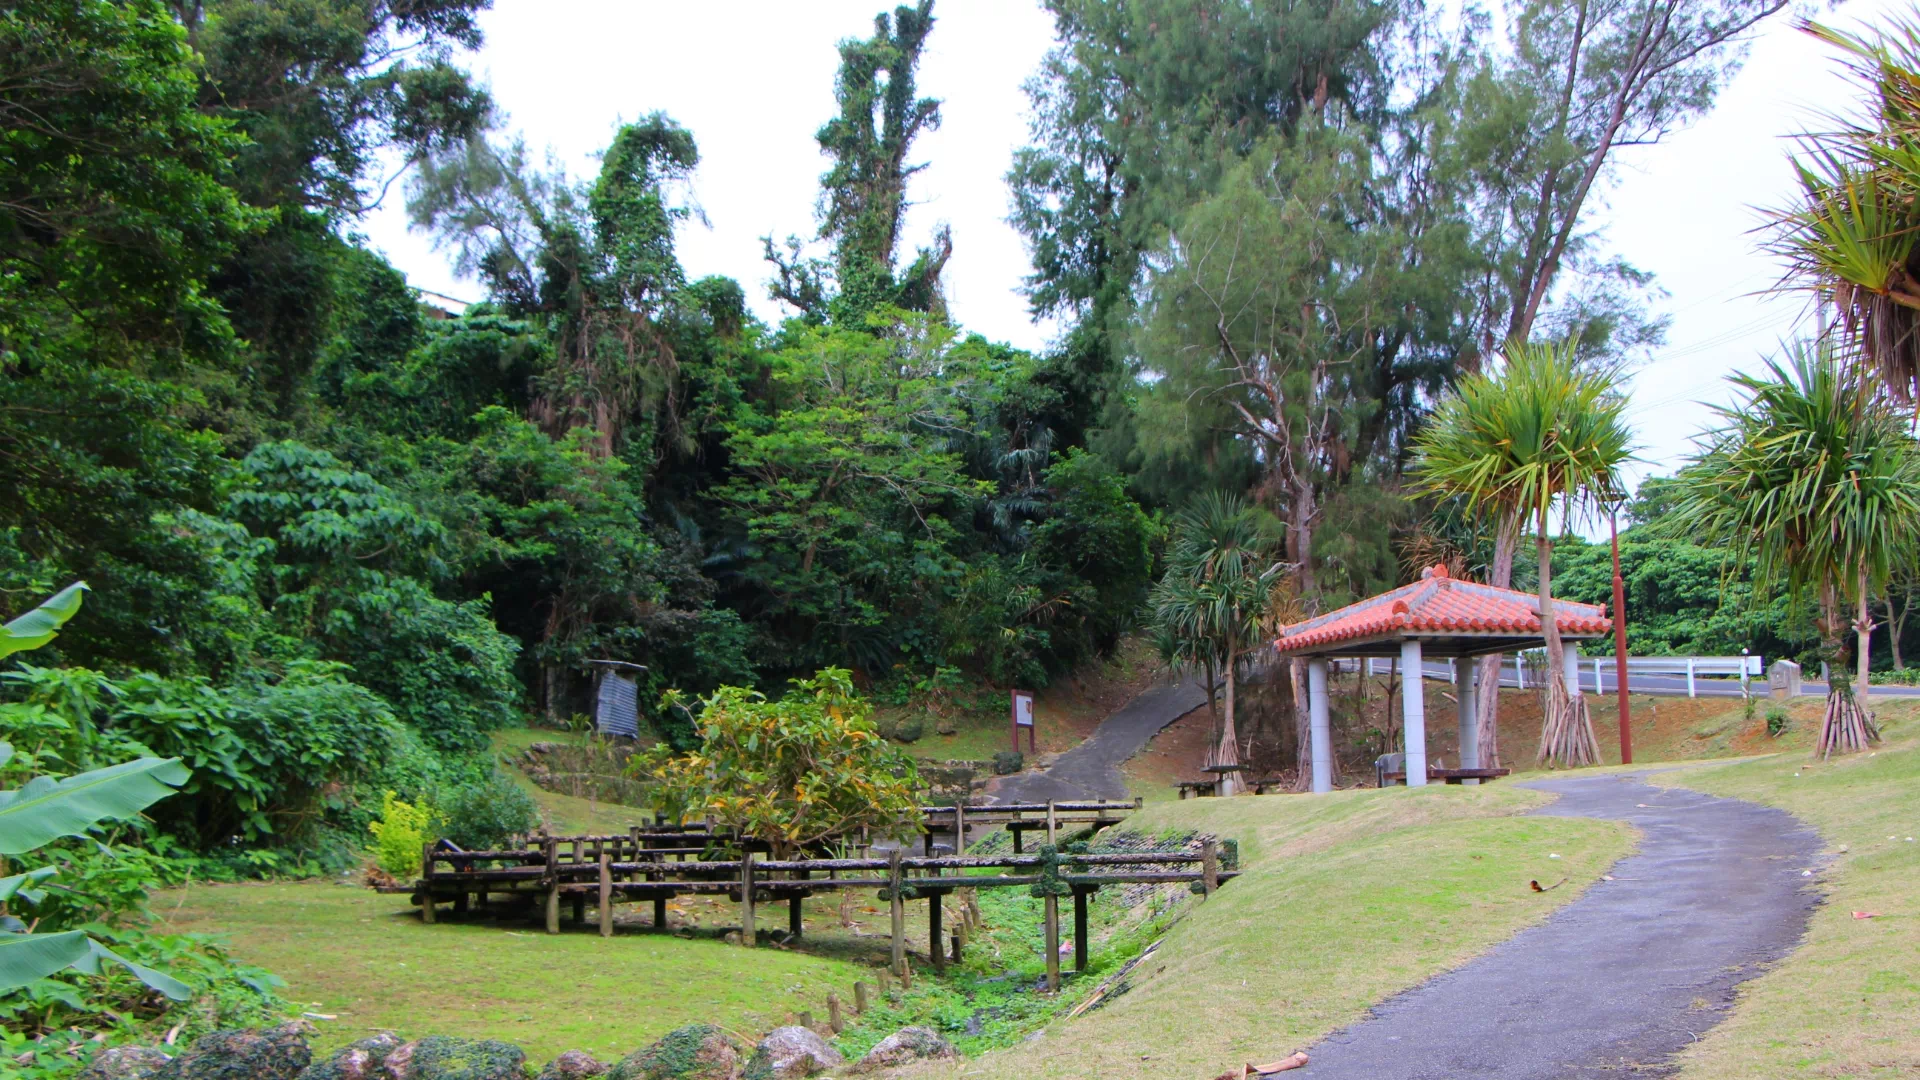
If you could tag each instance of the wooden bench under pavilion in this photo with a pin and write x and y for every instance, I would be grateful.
(1439, 616)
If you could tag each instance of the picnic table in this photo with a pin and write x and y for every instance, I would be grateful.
(1451, 776)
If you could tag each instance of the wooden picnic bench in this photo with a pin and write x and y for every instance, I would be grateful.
(1451, 776)
(1207, 788)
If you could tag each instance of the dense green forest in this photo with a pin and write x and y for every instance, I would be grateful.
(349, 534)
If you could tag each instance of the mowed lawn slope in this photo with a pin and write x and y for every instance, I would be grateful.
(1348, 898)
(368, 961)
(1847, 1002)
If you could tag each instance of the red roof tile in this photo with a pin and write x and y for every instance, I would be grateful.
(1439, 605)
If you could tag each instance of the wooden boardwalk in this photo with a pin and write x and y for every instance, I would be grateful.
(657, 863)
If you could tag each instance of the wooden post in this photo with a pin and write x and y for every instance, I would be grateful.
(959, 940)
(746, 900)
(578, 902)
(886, 987)
(660, 912)
(1050, 821)
(833, 1012)
(894, 885)
(794, 924)
(606, 897)
(426, 882)
(553, 886)
(1209, 867)
(960, 827)
(806, 1020)
(1053, 944)
(859, 999)
(1079, 929)
(934, 943)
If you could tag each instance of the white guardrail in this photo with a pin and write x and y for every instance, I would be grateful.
(1672, 675)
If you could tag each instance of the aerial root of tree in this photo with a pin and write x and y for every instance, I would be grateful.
(1846, 727)
(1566, 734)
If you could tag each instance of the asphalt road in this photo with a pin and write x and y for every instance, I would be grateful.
(1091, 770)
(1609, 986)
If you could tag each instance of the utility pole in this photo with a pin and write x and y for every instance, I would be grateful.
(1620, 641)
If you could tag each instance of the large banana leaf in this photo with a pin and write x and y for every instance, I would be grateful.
(39, 626)
(48, 808)
(26, 958)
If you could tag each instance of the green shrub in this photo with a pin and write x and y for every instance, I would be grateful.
(401, 834)
(1777, 721)
(1008, 762)
(482, 814)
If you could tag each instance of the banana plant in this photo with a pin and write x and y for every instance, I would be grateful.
(48, 808)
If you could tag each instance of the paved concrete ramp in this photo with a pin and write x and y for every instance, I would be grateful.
(1612, 984)
(1092, 769)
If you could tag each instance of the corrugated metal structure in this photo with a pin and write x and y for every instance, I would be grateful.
(616, 700)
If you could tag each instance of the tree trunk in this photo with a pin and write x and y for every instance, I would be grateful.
(1227, 752)
(1863, 635)
(1895, 621)
(1566, 731)
(1846, 727)
(1302, 726)
(1487, 703)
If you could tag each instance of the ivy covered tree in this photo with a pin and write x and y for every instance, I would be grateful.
(863, 197)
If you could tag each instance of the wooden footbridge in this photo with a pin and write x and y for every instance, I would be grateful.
(658, 862)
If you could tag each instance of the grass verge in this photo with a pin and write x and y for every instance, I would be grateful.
(1847, 1002)
(1347, 899)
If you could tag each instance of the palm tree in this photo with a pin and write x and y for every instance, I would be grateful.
(1852, 238)
(1817, 480)
(1543, 429)
(1209, 608)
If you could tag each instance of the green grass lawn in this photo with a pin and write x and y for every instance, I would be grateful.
(1847, 1002)
(368, 960)
(1347, 899)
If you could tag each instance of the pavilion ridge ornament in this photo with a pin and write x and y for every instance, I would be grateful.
(1437, 617)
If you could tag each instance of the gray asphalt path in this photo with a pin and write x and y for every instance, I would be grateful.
(1091, 770)
(1609, 985)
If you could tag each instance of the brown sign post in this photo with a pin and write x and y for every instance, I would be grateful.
(1023, 718)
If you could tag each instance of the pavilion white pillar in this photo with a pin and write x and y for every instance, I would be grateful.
(1319, 729)
(1413, 717)
(1571, 667)
(1464, 692)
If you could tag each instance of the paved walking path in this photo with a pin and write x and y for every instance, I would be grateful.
(1607, 986)
(1092, 769)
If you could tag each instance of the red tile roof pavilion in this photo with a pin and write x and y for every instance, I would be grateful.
(1448, 616)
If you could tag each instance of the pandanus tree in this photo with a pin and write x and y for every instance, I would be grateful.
(1815, 477)
(1209, 608)
(1543, 430)
(1853, 236)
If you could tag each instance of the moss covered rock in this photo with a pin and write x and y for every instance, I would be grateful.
(694, 1052)
(789, 1053)
(279, 1053)
(906, 1045)
(360, 1060)
(125, 1063)
(572, 1065)
(443, 1057)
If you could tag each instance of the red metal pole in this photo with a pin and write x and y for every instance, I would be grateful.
(1620, 644)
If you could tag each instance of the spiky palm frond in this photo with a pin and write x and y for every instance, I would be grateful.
(1543, 428)
(1852, 235)
(1812, 476)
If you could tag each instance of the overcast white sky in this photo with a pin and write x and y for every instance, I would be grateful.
(753, 81)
